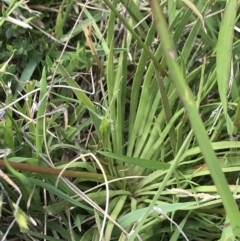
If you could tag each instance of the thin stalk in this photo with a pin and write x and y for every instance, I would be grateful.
(55, 172)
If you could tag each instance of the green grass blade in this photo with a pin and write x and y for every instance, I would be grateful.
(115, 213)
(224, 51)
(136, 86)
(40, 113)
(167, 110)
(195, 120)
(149, 164)
(8, 129)
(137, 16)
(120, 91)
(128, 219)
(162, 186)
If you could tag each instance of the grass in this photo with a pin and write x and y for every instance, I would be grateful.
(119, 120)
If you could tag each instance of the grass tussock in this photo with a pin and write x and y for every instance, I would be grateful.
(119, 120)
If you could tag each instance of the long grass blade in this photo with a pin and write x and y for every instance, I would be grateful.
(195, 120)
(224, 51)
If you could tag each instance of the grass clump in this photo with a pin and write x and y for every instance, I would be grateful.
(119, 120)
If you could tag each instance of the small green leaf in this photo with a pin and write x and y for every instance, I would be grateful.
(104, 127)
(59, 24)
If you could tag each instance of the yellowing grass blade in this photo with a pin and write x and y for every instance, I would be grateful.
(21, 218)
(196, 11)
